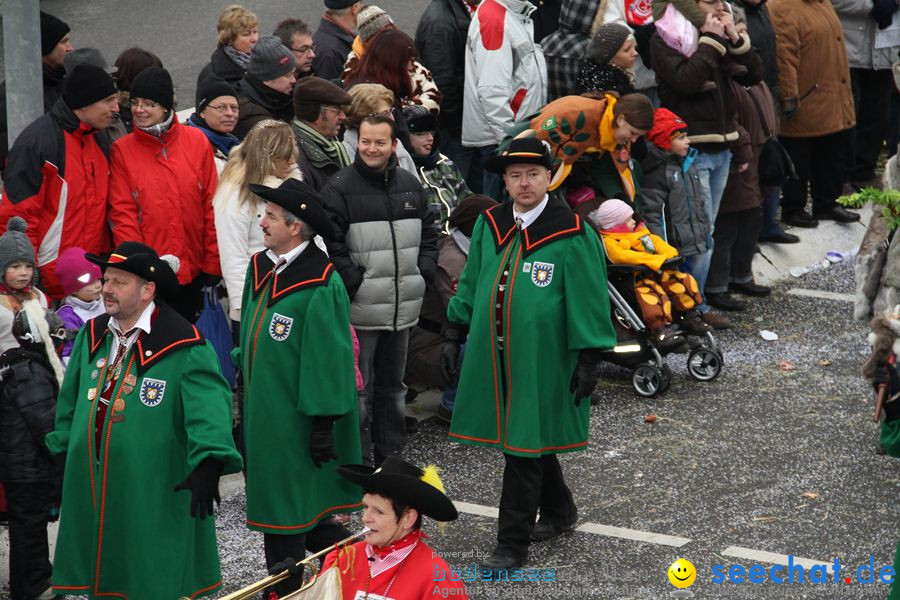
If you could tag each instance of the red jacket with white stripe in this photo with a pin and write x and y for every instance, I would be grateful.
(160, 193)
(56, 178)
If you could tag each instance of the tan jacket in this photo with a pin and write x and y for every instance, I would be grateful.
(813, 67)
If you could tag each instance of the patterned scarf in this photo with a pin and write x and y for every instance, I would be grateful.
(333, 148)
(160, 129)
(241, 59)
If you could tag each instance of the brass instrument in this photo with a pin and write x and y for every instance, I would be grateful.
(309, 562)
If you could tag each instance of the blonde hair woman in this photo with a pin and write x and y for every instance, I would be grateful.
(267, 156)
(237, 33)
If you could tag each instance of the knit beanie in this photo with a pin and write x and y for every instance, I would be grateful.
(84, 56)
(464, 216)
(85, 85)
(75, 271)
(370, 21)
(606, 42)
(666, 127)
(270, 59)
(53, 30)
(211, 88)
(419, 119)
(154, 83)
(15, 245)
(611, 213)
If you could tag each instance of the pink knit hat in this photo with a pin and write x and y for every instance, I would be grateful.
(611, 213)
(75, 271)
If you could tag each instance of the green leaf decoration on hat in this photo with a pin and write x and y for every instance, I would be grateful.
(565, 126)
(570, 151)
(581, 137)
(555, 137)
(579, 120)
(549, 124)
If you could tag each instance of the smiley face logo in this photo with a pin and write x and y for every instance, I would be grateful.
(682, 573)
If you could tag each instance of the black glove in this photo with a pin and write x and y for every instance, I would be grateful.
(789, 107)
(206, 280)
(584, 378)
(454, 337)
(204, 486)
(883, 12)
(59, 463)
(321, 441)
(289, 565)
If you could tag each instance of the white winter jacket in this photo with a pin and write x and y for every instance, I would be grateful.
(506, 75)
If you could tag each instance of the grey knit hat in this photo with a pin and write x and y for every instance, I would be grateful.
(15, 245)
(270, 59)
(606, 42)
(370, 21)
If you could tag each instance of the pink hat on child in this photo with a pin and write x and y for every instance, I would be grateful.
(611, 213)
(75, 271)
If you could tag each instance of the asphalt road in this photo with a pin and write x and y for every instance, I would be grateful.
(183, 34)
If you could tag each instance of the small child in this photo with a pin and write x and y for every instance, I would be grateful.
(630, 243)
(81, 283)
(607, 63)
(30, 374)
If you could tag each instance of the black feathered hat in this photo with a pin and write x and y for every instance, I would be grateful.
(301, 200)
(143, 261)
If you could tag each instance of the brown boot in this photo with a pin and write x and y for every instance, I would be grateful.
(716, 320)
(692, 322)
(668, 339)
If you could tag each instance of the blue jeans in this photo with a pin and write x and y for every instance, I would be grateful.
(771, 227)
(712, 167)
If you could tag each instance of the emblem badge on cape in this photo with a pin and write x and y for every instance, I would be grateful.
(152, 391)
(541, 273)
(280, 327)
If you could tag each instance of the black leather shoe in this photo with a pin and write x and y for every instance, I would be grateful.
(724, 301)
(837, 213)
(499, 562)
(544, 530)
(780, 238)
(750, 288)
(799, 218)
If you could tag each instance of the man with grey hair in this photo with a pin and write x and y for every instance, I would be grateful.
(334, 38)
(297, 37)
(296, 354)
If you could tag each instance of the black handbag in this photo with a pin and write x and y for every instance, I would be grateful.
(775, 164)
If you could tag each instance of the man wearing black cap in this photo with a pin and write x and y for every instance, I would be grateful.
(56, 173)
(265, 90)
(216, 114)
(54, 46)
(318, 116)
(296, 354)
(143, 413)
(334, 38)
(534, 295)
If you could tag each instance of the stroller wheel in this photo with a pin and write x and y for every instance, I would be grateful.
(704, 364)
(647, 379)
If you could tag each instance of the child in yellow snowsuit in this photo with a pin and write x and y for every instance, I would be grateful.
(630, 243)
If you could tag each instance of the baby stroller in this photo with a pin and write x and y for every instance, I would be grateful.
(635, 348)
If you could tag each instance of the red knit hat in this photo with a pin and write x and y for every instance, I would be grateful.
(666, 127)
(75, 271)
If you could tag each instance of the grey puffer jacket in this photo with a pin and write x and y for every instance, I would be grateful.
(672, 205)
(385, 244)
(859, 35)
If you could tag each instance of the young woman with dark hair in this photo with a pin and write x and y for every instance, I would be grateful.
(388, 60)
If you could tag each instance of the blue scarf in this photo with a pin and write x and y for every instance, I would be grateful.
(223, 141)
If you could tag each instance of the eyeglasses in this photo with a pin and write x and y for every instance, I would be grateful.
(222, 108)
(336, 109)
(148, 104)
(304, 49)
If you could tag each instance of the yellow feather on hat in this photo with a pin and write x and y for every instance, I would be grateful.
(430, 475)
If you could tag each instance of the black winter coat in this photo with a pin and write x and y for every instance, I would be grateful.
(28, 391)
(603, 78)
(333, 44)
(762, 36)
(258, 102)
(222, 67)
(441, 41)
(667, 194)
(52, 79)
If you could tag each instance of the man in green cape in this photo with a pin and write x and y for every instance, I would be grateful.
(143, 412)
(300, 403)
(533, 301)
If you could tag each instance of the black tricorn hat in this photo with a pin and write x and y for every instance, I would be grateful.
(300, 199)
(143, 261)
(398, 480)
(521, 150)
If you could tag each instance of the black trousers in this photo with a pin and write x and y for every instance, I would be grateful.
(327, 532)
(28, 504)
(735, 236)
(530, 484)
(821, 163)
(872, 92)
(189, 301)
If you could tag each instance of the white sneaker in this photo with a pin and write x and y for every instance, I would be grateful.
(47, 595)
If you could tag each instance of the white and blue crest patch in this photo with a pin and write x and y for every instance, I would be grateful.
(152, 391)
(280, 327)
(541, 273)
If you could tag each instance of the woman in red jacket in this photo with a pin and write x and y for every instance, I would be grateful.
(162, 180)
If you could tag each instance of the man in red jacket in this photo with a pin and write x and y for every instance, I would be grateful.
(57, 173)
